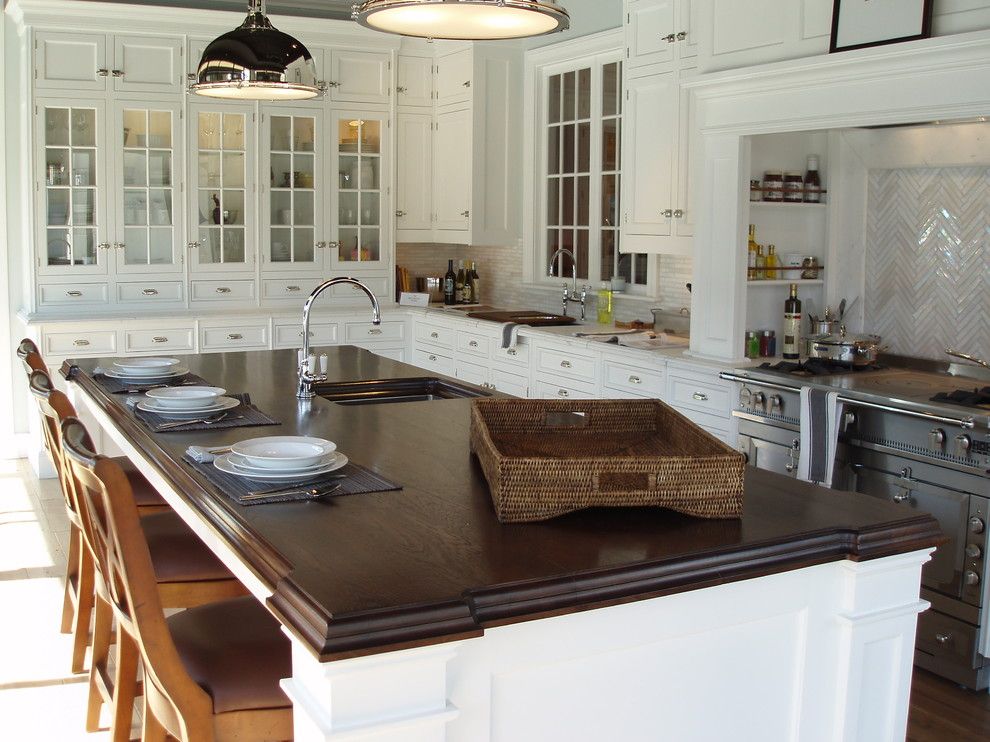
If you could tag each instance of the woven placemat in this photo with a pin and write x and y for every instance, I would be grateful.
(119, 386)
(353, 479)
(244, 415)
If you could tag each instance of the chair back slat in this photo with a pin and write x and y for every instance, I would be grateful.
(30, 356)
(54, 407)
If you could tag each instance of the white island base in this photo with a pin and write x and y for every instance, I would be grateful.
(814, 654)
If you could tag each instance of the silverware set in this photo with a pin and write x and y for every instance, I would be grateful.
(143, 389)
(201, 421)
(311, 493)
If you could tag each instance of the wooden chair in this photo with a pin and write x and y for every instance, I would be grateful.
(211, 672)
(30, 356)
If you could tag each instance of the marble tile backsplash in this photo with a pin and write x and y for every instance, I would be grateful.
(500, 269)
(928, 260)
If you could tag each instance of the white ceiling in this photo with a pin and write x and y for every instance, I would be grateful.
(310, 8)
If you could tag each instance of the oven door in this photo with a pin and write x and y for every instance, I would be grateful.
(769, 447)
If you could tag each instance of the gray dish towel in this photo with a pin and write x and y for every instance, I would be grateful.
(820, 415)
(510, 331)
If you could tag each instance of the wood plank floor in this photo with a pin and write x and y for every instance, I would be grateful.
(941, 711)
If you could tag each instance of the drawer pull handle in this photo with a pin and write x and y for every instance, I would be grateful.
(465, 213)
(73, 294)
(433, 358)
(901, 496)
(565, 364)
(310, 334)
(117, 73)
(149, 292)
(159, 339)
(635, 380)
(563, 393)
(223, 290)
(103, 72)
(511, 352)
(434, 335)
(943, 638)
(292, 288)
(80, 342)
(473, 344)
(375, 331)
(700, 397)
(235, 336)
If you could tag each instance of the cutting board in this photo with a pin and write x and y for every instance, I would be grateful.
(531, 317)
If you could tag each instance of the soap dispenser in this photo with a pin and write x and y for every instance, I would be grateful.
(605, 303)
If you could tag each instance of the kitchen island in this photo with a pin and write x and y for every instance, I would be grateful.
(415, 615)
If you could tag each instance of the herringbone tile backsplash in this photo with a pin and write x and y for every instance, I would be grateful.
(928, 260)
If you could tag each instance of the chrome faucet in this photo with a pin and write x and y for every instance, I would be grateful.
(572, 295)
(307, 375)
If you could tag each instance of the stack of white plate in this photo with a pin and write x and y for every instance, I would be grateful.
(187, 401)
(147, 369)
(288, 457)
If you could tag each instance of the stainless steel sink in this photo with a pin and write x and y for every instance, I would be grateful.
(384, 391)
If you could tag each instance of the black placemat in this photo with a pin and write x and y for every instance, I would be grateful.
(244, 415)
(353, 479)
(119, 386)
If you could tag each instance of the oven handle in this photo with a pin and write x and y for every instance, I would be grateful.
(964, 422)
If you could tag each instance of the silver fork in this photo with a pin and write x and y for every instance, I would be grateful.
(313, 493)
(205, 421)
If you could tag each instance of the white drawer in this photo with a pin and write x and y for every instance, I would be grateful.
(434, 362)
(233, 337)
(434, 334)
(554, 389)
(474, 343)
(509, 383)
(471, 372)
(703, 396)
(294, 289)
(365, 332)
(380, 286)
(646, 382)
(222, 290)
(150, 292)
(84, 342)
(396, 354)
(570, 364)
(320, 333)
(517, 355)
(171, 339)
(720, 427)
(62, 294)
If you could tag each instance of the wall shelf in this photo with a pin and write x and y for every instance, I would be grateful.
(785, 205)
(787, 281)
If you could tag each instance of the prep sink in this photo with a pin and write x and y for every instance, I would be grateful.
(382, 391)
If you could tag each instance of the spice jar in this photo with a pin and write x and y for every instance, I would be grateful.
(755, 192)
(752, 344)
(809, 268)
(773, 186)
(768, 344)
(793, 188)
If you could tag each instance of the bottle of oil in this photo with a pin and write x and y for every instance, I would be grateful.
(792, 326)
(751, 256)
(770, 271)
(761, 263)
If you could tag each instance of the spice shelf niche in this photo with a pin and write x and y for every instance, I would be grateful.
(787, 282)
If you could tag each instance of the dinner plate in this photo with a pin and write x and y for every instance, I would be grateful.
(174, 374)
(240, 462)
(223, 403)
(185, 397)
(146, 366)
(223, 463)
(280, 452)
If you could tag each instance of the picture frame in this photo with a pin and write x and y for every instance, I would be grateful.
(858, 24)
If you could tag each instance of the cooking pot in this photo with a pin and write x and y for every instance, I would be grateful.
(849, 349)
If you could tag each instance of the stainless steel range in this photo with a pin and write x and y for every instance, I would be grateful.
(917, 433)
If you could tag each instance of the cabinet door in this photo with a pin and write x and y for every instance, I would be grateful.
(147, 64)
(221, 205)
(648, 154)
(455, 72)
(648, 30)
(74, 61)
(414, 86)
(360, 77)
(414, 171)
(688, 160)
(73, 215)
(295, 190)
(148, 235)
(359, 204)
(451, 170)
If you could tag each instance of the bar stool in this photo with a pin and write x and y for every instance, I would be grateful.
(211, 672)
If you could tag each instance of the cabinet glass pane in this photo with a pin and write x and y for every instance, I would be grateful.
(233, 170)
(304, 134)
(610, 199)
(232, 203)
(209, 132)
(135, 207)
(611, 84)
(281, 134)
(584, 147)
(281, 207)
(359, 197)
(83, 246)
(160, 129)
(57, 165)
(135, 168)
(233, 131)
(83, 206)
(209, 245)
(84, 167)
(83, 125)
(304, 209)
(281, 245)
(553, 99)
(584, 93)
(135, 245)
(293, 180)
(58, 206)
(568, 149)
(221, 180)
(233, 245)
(303, 247)
(583, 199)
(160, 207)
(371, 137)
(553, 202)
(159, 168)
(369, 209)
(348, 208)
(59, 250)
(57, 126)
(553, 150)
(611, 131)
(568, 98)
(160, 246)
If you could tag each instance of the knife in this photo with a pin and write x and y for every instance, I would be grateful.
(311, 492)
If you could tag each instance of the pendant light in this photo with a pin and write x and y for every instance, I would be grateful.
(256, 62)
(469, 20)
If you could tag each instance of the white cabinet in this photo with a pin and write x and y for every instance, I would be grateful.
(359, 76)
(650, 32)
(414, 176)
(414, 82)
(452, 180)
(455, 76)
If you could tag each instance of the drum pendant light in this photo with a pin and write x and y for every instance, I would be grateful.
(469, 20)
(256, 62)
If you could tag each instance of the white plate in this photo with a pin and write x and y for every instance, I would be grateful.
(239, 462)
(283, 451)
(185, 397)
(223, 464)
(146, 366)
(223, 403)
(174, 374)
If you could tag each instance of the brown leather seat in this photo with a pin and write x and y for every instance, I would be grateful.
(234, 651)
(145, 496)
(178, 554)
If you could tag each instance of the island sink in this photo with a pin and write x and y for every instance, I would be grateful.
(382, 391)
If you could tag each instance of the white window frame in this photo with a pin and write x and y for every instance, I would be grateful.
(540, 64)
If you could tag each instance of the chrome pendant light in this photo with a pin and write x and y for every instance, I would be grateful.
(471, 20)
(256, 62)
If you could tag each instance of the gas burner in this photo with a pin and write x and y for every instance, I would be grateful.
(814, 367)
(965, 398)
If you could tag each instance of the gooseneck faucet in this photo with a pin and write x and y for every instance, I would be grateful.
(307, 375)
(572, 295)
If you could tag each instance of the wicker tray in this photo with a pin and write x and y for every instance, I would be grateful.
(544, 458)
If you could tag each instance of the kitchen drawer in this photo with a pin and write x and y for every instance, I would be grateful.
(717, 425)
(549, 388)
(396, 354)
(704, 396)
(222, 290)
(150, 292)
(471, 372)
(474, 343)
(508, 382)
(947, 638)
(69, 294)
(365, 332)
(380, 286)
(294, 289)
(84, 342)
(170, 339)
(517, 355)
(568, 363)
(646, 382)
(434, 362)
(233, 337)
(438, 335)
(320, 333)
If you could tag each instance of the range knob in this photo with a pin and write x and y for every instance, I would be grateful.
(963, 444)
(976, 525)
(971, 578)
(776, 403)
(973, 551)
(760, 401)
(936, 439)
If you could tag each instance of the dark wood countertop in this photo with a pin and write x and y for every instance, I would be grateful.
(430, 563)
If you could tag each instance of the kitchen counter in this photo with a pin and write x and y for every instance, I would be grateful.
(430, 565)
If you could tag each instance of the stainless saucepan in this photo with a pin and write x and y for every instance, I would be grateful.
(849, 349)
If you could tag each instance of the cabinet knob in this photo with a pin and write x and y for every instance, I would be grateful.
(73, 293)
(149, 292)
(321, 245)
(678, 213)
(104, 246)
(80, 342)
(235, 336)
(511, 352)
(400, 89)
(563, 393)
(159, 339)
(400, 214)
(309, 334)
(681, 35)
(434, 335)
(465, 213)
(119, 245)
(103, 72)
(223, 290)
(473, 344)
(635, 380)
(667, 213)
(433, 358)
(191, 245)
(565, 364)
(466, 84)
(333, 244)
(669, 38)
(700, 397)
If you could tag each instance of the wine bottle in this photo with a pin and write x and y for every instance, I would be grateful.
(449, 280)
(751, 261)
(792, 325)
(474, 282)
(459, 284)
(812, 182)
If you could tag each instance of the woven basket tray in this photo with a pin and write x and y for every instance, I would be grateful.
(544, 458)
